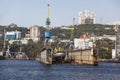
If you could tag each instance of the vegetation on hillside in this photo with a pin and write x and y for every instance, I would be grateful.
(105, 48)
(32, 48)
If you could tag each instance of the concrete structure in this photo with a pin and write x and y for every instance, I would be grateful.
(86, 17)
(114, 23)
(86, 56)
(117, 42)
(12, 35)
(113, 54)
(111, 37)
(35, 33)
(45, 55)
(20, 56)
(27, 35)
(83, 43)
(1, 33)
(22, 41)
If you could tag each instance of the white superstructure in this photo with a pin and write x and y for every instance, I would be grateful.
(83, 43)
(86, 17)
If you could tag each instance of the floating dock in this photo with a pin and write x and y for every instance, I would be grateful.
(45, 55)
(86, 56)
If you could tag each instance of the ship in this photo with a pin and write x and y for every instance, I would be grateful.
(59, 56)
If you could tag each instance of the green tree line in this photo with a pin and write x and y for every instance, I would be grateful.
(32, 48)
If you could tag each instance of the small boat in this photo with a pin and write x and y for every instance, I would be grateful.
(59, 56)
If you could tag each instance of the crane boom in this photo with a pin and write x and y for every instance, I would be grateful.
(48, 32)
(48, 18)
(48, 11)
(71, 46)
(72, 33)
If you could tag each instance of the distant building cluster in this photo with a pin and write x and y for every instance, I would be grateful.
(12, 35)
(86, 17)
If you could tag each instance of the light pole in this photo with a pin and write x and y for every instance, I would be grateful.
(4, 40)
(116, 33)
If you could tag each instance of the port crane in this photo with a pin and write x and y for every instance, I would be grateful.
(47, 33)
(72, 36)
(71, 43)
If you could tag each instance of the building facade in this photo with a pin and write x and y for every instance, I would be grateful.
(84, 42)
(86, 17)
(35, 33)
(12, 35)
(21, 41)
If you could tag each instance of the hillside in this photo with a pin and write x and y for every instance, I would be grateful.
(93, 29)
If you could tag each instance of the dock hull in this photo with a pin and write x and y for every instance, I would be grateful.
(2, 58)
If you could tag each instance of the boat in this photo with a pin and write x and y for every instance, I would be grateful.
(59, 56)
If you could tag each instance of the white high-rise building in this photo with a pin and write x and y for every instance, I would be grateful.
(35, 33)
(86, 17)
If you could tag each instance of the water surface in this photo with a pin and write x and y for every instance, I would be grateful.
(33, 70)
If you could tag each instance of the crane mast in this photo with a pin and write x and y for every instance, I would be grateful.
(47, 32)
(72, 33)
(48, 18)
(72, 36)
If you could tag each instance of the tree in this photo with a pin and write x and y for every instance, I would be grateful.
(105, 48)
(31, 49)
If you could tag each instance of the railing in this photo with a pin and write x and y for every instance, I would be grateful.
(16, 55)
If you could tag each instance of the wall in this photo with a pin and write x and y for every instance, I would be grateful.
(82, 56)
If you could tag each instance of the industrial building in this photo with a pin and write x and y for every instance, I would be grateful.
(12, 35)
(86, 17)
(22, 41)
(35, 33)
(84, 42)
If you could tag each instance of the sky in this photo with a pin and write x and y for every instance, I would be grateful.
(26, 13)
